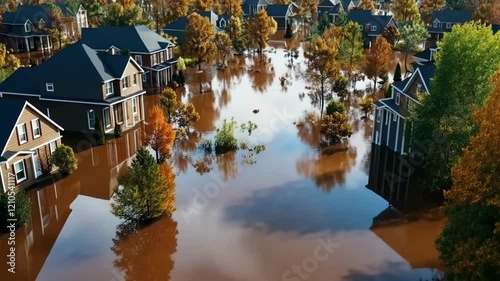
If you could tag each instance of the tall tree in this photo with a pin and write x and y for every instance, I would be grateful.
(456, 4)
(199, 36)
(224, 46)
(236, 31)
(309, 8)
(335, 128)
(366, 5)
(391, 34)
(260, 28)
(412, 35)
(95, 12)
(378, 60)
(201, 5)
(443, 123)
(169, 101)
(488, 12)
(146, 191)
(159, 134)
(469, 244)
(405, 10)
(119, 15)
(428, 6)
(230, 7)
(351, 50)
(322, 68)
(167, 11)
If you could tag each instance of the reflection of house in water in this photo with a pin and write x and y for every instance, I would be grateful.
(99, 167)
(50, 210)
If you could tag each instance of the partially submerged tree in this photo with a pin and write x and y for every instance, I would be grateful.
(335, 128)
(367, 106)
(224, 46)
(64, 158)
(159, 134)
(412, 36)
(378, 60)
(260, 28)
(236, 31)
(199, 39)
(351, 51)
(169, 101)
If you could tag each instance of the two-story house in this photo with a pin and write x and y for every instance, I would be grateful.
(27, 139)
(443, 21)
(151, 51)
(281, 13)
(349, 5)
(372, 26)
(26, 29)
(392, 127)
(330, 7)
(78, 86)
(250, 7)
(176, 28)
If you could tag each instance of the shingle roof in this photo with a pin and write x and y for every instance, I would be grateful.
(326, 3)
(495, 28)
(345, 4)
(458, 16)
(9, 113)
(34, 13)
(364, 17)
(137, 39)
(427, 70)
(424, 55)
(277, 10)
(21, 81)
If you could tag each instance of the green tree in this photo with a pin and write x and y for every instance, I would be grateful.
(199, 43)
(260, 28)
(456, 4)
(129, 15)
(64, 158)
(236, 31)
(412, 35)
(443, 123)
(95, 11)
(22, 213)
(335, 106)
(397, 73)
(187, 116)
(3, 55)
(469, 244)
(341, 19)
(335, 128)
(324, 23)
(169, 101)
(351, 51)
(146, 191)
(225, 139)
(405, 10)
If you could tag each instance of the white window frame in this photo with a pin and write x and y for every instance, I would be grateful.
(373, 28)
(435, 24)
(49, 87)
(360, 27)
(37, 122)
(387, 117)
(104, 117)
(25, 133)
(394, 117)
(398, 98)
(53, 146)
(379, 112)
(124, 82)
(134, 106)
(134, 79)
(18, 180)
(109, 90)
(27, 27)
(448, 25)
(138, 59)
(155, 59)
(91, 126)
(162, 57)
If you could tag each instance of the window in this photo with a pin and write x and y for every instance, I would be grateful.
(35, 126)
(398, 98)
(20, 171)
(138, 59)
(144, 77)
(134, 79)
(410, 104)
(49, 87)
(27, 27)
(386, 117)
(91, 119)
(118, 112)
(155, 59)
(379, 113)
(53, 146)
(435, 25)
(125, 82)
(21, 133)
(448, 25)
(134, 106)
(360, 27)
(373, 28)
(107, 118)
(109, 88)
(394, 117)
(161, 56)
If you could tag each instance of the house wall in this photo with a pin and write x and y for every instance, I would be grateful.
(60, 111)
(281, 22)
(7, 168)
(377, 126)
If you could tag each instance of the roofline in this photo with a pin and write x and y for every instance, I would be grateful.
(12, 131)
(421, 77)
(17, 153)
(134, 62)
(404, 117)
(45, 116)
(131, 52)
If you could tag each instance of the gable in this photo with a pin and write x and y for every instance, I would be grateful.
(131, 68)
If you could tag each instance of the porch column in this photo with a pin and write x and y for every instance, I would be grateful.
(124, 108)
(133, 115)
(157, 79)
(34, 167)
(142, 108)
(27, 47)
(397, 136)
(41, 45)
(112, 114)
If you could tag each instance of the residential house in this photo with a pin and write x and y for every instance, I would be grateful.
(151, 51)
(26, 29)
(348, 5)
(331, 8)
(392, 127)
(281, 13)
(27, 138)
(443, 21)
(250, 7)
(176, 28)
(78, 86)
(372, 26)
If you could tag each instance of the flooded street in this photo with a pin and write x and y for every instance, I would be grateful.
(295, 211)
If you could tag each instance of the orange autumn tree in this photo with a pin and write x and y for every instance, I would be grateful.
(469, 244)
(378, 60)
(159, 134)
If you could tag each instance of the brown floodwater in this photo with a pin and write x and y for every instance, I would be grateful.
(297, 211)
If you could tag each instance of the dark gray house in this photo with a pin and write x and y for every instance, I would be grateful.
(150, 50)
(443, 21)
(331, 8)
(372, 26)
(78, 86)
(391, 127)
(176, 28)
(281, 13)
(250, 7)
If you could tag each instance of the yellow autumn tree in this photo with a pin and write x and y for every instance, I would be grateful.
(260, 28)
(366, 5)
(199, 39)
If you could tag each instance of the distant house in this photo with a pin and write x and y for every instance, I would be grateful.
(150, 50)
(392, 127)
(27, 138)
(443, 21)
(176, 28)
(281, 13)
(372, 26)
(348, 5)
(78, 86)
(330, 8)
(25, 29)
(250, 7)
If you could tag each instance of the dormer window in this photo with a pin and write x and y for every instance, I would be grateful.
(27, 26)
(435, 24)
(398, 98)
(448, 25)
(49, 87)
(109, 88)
(373, 28)
(360, 27)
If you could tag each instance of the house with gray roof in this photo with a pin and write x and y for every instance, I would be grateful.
(79, 86)
(281, 13)
(330, 7)
(151, 51)
(372, 26)
(27, 139)
(26, 29)
(392, 127)
(444, 20)
(251, 7)
(176, 28)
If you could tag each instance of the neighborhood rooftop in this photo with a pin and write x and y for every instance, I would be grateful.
(33, 13)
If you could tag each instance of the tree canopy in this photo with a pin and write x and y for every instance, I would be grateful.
(260, 28)
(412, 35)
(128, 15)
(366, 5)
(378, 60)
(405, 10)
(199, 39)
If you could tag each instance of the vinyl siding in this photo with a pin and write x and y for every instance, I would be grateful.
(28, 166)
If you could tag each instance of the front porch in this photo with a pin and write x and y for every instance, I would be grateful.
(28, 44)
(161, 74)
(126, 113)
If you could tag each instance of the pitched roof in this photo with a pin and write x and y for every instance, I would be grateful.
(427, 70)
(423, 55)
(9, 114)
(137, 39)
(337, 8)
(254, 2)
(459, 16)
(34, 13)
(277, 10)
(326, 3)
(21, 81)
(495, 28)
(345, 4)
(364, 17)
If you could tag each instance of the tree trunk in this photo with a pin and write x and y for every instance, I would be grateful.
(374, 84)
(157, 157)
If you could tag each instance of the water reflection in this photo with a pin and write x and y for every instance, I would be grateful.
(146, 253)
(261, 72)
(206, 105)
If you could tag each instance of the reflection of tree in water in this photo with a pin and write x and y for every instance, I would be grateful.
(203, 165)
(329, 167)
(224, 98)
(183, 146)
(199, 82)
(206, 106)
(226, 164)
(233, 73)
(261, 72)
(146, 253)
(308, 129)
